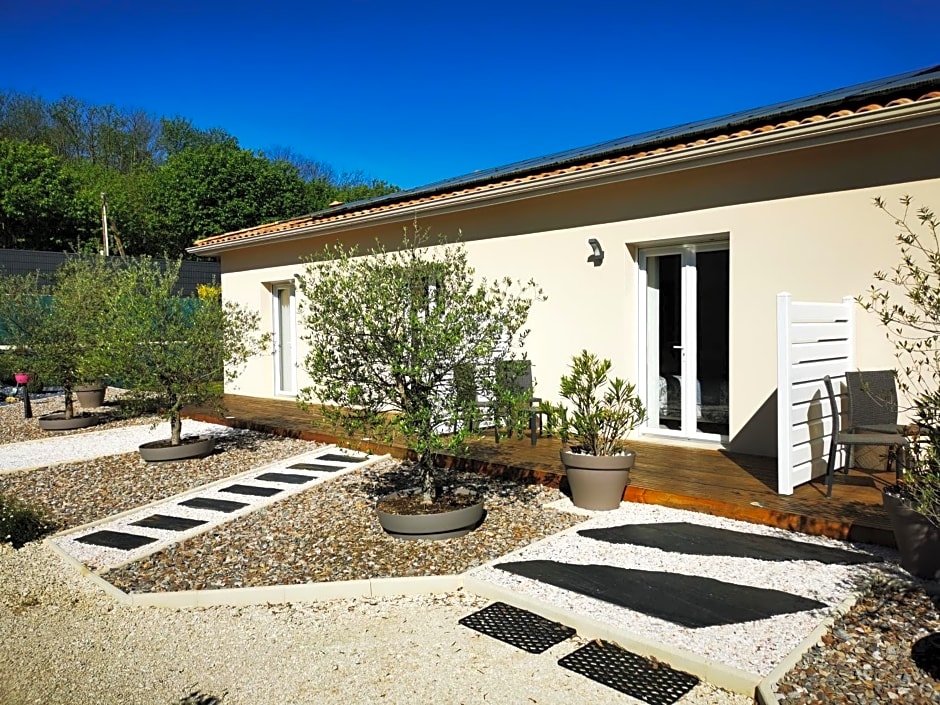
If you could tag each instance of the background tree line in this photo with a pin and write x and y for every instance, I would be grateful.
(167, 182)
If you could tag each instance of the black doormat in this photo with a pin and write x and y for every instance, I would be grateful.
(340, 458)
(168, 523)
(216, 505)
(520, 628)
(290, 478)
(632, 674)
(116, 539)
(315, 466)
(253, 490)
(689, 600)
(682, 537)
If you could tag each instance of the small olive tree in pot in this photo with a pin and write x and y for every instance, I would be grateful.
(907, 302)
(392, 333)
(173, 350)
(60, 329)
(603, 411)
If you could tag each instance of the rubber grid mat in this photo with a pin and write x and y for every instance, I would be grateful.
(630, 673)
(516, 627)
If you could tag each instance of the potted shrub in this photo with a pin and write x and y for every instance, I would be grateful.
(389, 335)
(913, 326)
(173, 350)
(603, 411)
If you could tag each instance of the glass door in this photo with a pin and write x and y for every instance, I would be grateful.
(285, 360)
(684, 329)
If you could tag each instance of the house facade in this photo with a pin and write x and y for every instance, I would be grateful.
(664, 252)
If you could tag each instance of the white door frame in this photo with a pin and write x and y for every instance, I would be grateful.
(284, 387)
(688, 343)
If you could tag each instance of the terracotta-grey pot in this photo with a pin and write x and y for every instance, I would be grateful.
(917, 538)
(162, 451)
(58, 422)
(597, 481)
(91, 396)
(432, 527)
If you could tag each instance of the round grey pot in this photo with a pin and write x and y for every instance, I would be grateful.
(918, 540)
(597, 481)
(432, 527)
(58, 422)
(91, 396)
(162, 451)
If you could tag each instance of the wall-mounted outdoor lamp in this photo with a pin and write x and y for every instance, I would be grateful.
(597, 255)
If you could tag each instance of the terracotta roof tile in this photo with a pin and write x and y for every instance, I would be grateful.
(327, 217)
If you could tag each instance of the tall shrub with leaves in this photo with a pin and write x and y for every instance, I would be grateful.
(906, 300)
(172, 350)
(390, 331)
(61, 330)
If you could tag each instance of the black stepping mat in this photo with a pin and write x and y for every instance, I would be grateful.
(168, 523)
(253, 490)
(340, 458)
(520, 628)
(116, 539)
(682, 537)
(291, 478)
(216, 505)
(639, 677)
(688, 600)
(315, 466)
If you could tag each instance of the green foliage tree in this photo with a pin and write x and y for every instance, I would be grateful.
(60, 329)
(209, 190)
(173, 350)
(38, 200)
(389, 332)
(179, 134)
(906, 300)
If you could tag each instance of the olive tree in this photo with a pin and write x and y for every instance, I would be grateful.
(906, 300)
(61, 329)
(393, 332)
(172, 350)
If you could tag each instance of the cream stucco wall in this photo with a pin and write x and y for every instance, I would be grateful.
(799, 221)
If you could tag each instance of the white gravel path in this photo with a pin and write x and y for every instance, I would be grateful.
(93, 444)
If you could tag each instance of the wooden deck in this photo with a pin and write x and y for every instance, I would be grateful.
(704, 480)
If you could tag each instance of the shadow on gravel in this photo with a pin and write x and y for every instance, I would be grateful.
(926, 654)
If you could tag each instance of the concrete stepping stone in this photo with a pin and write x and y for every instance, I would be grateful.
(253, 490)
(215, 505)
(695, 539)
(168, 523)
(116, 539)
(285, 477)
(689, 600)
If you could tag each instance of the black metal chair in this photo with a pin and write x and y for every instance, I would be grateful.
(514, 376)
(873, 405)
(847, 438)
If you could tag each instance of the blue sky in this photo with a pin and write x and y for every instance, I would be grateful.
(415, 92)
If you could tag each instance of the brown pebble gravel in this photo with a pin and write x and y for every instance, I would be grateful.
(886, 649)
(72, 494)
(330, 532)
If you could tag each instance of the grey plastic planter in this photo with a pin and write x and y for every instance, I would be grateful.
(91, 396)
(162, 451)
(918, 540)
(58, 422)
(597, 481)
(432, 527)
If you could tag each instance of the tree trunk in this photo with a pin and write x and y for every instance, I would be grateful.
(69, 404)
(176, 429)
(428, 485)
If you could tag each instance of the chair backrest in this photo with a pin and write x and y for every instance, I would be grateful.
(873, 397)
(833, 407)
(515, 374)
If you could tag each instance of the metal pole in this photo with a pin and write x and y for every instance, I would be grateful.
(104, 223)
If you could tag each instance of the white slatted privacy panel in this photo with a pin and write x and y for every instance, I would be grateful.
(813, 340)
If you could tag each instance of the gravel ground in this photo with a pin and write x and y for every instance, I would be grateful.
(65, 642)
